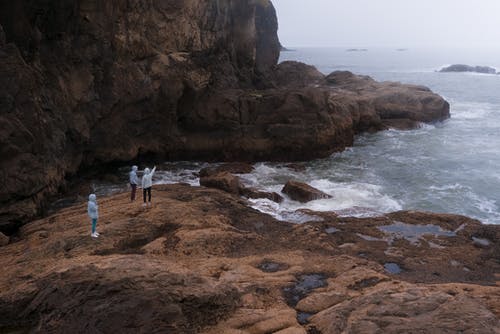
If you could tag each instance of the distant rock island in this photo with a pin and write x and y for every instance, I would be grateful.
(468, 68)
(357, 50)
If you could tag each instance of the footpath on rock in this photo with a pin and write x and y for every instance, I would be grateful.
(201, 261)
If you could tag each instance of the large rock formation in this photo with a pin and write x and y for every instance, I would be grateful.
(88, 83)
(201, 261)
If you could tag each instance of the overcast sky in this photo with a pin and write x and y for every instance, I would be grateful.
(394, 23)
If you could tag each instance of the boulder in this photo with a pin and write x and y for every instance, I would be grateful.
(224, 181)
(221, 178)
(255, 193)
(303, 192)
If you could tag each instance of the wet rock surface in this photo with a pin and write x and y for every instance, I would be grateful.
(303, 192)
(200, 261)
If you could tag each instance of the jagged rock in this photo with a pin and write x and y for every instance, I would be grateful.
(468, 68)
(303, 192)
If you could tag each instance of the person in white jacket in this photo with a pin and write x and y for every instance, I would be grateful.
(134, 181)
(93, 211)
(147, 183)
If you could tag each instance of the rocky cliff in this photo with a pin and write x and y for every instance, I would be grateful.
(84, 83)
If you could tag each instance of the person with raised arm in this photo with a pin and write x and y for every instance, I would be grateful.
(147, 183)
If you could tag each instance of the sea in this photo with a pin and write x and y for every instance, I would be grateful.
(447, 167)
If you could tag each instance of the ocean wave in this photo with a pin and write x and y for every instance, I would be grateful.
(348, 199)
(474, 110)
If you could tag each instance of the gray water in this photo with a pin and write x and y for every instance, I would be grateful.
(449, 167)
(452, 167)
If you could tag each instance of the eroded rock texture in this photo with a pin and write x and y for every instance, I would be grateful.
(86, 83)
(200, 261)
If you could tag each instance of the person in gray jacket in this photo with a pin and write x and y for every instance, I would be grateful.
(134, 181)
(147, 183)
(93, 211)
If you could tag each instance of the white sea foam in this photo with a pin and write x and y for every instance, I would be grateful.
(352, 199)
(448, 187)
(473, 110)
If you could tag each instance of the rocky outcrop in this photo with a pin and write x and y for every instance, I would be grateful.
(468, 68)
(303, 192)
(224, 181)
(201, 261)
(91, 83)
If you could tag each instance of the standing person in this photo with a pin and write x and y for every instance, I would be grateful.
(93, 212)
(134, 181)
(147, 183)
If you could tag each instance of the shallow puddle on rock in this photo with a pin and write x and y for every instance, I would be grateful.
(272, 267)
(331, 230)
(303, 317)
(413, 233)
(393, 268)
(304, 285)
(369, 238)
(481, 242)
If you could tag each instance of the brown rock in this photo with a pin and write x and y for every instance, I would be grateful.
(407, 310)
(194, 263)
(233, 168)
(303, 192)
(296, 74)
(320, 301)
(393, 101)
(254, 193)
(4, 240)
(224, 181)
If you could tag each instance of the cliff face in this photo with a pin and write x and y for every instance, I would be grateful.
(89, 82)
(85, 82)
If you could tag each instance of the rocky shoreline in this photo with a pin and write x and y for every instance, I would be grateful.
(201, 261)
(94, 83)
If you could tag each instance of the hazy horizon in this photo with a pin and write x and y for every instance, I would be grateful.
(389, 23)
